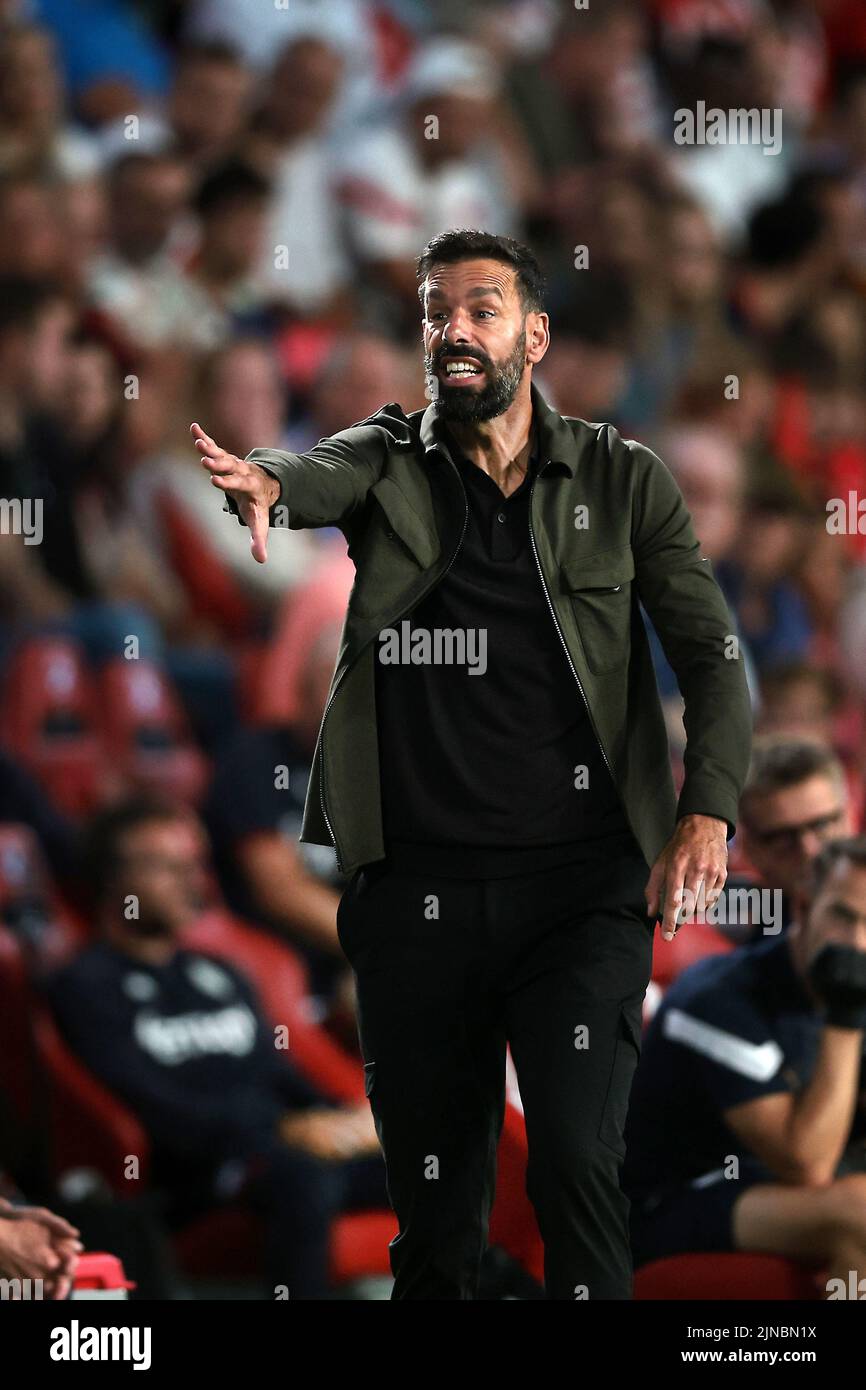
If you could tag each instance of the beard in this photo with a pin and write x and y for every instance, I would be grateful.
(465, 406)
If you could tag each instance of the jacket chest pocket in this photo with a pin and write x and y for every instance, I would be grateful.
(600, 590)
(396, 547)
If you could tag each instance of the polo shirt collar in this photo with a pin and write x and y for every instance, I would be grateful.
(555, 439)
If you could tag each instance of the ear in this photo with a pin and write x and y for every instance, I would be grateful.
(537, 336)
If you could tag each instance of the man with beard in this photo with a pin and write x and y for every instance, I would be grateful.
(499, 818)
(180, 1036)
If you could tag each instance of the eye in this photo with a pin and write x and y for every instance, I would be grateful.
(491, 312)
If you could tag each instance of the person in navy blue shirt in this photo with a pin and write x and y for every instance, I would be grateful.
(746, 1127)
(181, 1037)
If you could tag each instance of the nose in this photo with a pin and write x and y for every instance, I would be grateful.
(456, 330)
(810, 845)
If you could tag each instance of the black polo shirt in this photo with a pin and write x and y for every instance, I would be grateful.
(489, 764)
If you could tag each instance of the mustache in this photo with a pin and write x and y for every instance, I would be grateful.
(449, 355)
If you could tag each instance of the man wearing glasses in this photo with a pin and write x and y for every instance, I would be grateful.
(795, 800)
(747, 1122)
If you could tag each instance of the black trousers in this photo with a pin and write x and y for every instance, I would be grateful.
(448, 971)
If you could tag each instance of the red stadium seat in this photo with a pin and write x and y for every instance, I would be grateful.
(146, 731)
(228, 1243)
(29, 905)
(100, 1275)
(89, 1126)
(723, 1276)
(47, 720)
(281, 982)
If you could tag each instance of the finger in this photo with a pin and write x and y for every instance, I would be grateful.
(694, 892)
(61, 1289)
(202, 440)
(653, 887)
(673, 897)
(715, 889)
(208, 449)
(258, 521)
(58, 1225)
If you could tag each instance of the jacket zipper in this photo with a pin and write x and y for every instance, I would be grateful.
(559, 631)
(359, 654)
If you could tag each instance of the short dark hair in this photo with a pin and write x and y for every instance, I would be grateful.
(233, 181)
(102, 855)
(467, 244)
(779, 761)
(851, 847)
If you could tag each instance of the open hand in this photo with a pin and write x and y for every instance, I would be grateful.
(254, 490)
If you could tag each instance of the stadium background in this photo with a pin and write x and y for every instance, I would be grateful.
(210, 210)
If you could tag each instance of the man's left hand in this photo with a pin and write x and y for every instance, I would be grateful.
(696, 854)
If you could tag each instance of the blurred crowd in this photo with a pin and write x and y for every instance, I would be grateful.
(210, 210)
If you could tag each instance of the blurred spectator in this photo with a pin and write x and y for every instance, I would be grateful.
(302, 261)
(795, 801)
(256, 803)
(135, 282)
(359, 372)
(240, 397)
(111, 61)
(438, 163)
(261, 32)
(232, 203)
(34, 135)
(747, 1117)
(709, 469)
(209, 102)
(180, 1037)
(35, 323)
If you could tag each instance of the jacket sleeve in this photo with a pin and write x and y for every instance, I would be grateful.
(689, 612)
(324, 486)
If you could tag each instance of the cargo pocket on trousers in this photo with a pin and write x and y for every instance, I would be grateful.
(626, 1053)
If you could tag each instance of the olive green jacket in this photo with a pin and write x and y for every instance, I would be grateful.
(609, 530)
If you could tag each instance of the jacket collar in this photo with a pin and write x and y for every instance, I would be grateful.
(555, 440)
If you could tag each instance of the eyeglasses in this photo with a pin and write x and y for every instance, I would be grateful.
(788, 836)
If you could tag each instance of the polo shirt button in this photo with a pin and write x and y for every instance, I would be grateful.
(500, 516)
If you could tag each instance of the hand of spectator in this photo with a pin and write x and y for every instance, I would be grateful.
(695, 855)
(838, 976)
(254, 490)
(36, 1244)
(329, 1134)
(363, 1127)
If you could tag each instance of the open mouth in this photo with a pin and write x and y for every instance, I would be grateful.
(460, 369)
